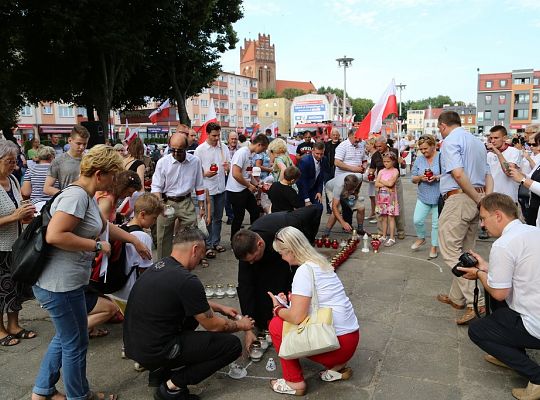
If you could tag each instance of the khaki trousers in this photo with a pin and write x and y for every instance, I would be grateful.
(184, 211)
(458, 226)
(400, 219)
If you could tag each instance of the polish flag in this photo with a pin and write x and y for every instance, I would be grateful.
(161, 112)
(386, 105)
(130, 135)
(211, 117)
(274, 128)
(124, 207)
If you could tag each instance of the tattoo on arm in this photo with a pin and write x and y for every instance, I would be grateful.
(209, 313)
(230, 326)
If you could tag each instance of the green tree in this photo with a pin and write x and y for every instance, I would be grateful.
(267, 94)
(291, 93)
(186, 41)
(361, 107)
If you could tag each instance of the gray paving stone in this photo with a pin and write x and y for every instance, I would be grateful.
(393, 387)
(420, 329)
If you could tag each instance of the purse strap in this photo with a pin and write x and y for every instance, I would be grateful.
(314, 296)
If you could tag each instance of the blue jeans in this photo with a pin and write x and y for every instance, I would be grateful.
(420, 213)
(68, 347)
(214, 229)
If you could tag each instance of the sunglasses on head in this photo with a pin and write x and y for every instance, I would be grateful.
(277, 238)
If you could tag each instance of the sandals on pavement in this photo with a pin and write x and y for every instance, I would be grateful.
(204, 263)
(25, 334)
(100, 396)
(390, 242)
(7, 341)
(50, 396)
(280, 386)
(330, 375)
(219, 248)
(210, 253)
(97, 333)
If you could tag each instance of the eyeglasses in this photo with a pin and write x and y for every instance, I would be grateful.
(120, 151)
(179, 151)
(532, 144)
(10, 162)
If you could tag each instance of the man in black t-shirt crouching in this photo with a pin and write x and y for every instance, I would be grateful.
(164, 307)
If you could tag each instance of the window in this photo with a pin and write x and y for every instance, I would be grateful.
(195, 102)
(275, 104)
(267, 114)
(522, 81)
(489, 84)
(488, 99)
(480, 116)
(535, 98)
(500, 115)
(65, 111)
(246, 121)
(204, 90)
(213, 90)
(204, 103)
(222, 104)
(231, 92)
(536, 81)
(487, 115)
(195, 116)
(502, 99)
(253, 120)
(221, 78)
(223, 92)
(469, 120)
(81, 111)
(275, 113)
(245, 82)
(254, 96)
(231, 79)
(253, 107)
(231, 106)
(238, 93)
(521, 114)
(47, 109)
(502, 83)
(534, 114)
(521, 98)
(26, 111)
(245, 107)
(246, 95)
(203, 117)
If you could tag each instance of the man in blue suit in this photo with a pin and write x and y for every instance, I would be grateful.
(310, 184)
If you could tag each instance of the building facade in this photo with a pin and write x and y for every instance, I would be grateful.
(258, 61)
(278, 110)
(235, 99)
(511, 99)
(415, 122)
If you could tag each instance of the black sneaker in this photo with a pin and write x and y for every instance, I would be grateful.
(158, 376)
(162, 393)
(229, 221)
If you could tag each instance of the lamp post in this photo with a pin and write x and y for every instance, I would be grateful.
(344, 62)
(401, 86)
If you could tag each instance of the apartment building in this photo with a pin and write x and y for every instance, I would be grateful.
(278, 110)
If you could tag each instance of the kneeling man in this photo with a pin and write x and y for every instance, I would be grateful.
(164, 307)
(513, 276)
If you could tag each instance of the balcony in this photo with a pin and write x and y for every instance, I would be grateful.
(253, 101)
(220, 83)
(220, 97)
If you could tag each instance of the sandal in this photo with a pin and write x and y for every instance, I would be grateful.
(210, 253)
(97, 333)
(219, 248)
(280, 386)
(204, 263)
(330, 375)
(390, 242)
(25, 334)
(8, 341)
(100, 396)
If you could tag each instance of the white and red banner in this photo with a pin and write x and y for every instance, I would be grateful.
(161, 112)
(210, 117)
(386, 105)
(129, 135)
(274, 128)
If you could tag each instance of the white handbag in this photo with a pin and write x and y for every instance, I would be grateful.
(314, 335)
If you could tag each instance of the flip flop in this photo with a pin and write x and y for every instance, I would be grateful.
(210, 253)
(330, 375)
(97, 333)
(280, 386)
(25, 334)
(6, 341)
(219, 248)
(100, 396)
(204, 263)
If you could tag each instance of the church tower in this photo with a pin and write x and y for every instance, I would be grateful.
(258, 60)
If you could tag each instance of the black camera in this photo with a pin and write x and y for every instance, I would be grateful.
(466, 260)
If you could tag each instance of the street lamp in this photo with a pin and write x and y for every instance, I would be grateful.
(401, 86)
(344, 62)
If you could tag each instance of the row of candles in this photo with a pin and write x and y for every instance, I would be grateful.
(259, 346)
(219, 292)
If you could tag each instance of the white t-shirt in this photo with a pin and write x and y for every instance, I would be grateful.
(244, 159)
(514, 261)
(213, 155)
(133, 258)
(330, 292)
(350, 155)
(501, 182)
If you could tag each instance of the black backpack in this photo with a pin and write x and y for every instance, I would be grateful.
(116, 277)
(30, 248)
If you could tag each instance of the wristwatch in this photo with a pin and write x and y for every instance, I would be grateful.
(523, 180)
(99, 247)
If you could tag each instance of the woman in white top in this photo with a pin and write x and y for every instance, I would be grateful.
(295, 249)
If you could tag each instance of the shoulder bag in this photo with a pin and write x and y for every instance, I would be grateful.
(314, 335)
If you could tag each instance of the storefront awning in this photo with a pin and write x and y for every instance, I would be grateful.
(55, 128)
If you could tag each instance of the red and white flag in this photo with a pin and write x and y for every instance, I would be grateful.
(161, 112)
(210, 117)
(386, 105)
(129, 135)
(274, 128)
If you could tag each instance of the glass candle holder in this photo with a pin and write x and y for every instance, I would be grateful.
(231, 291)
(220, 293)
(256, 352)
(262, 339)
(268, 337)
(209, 291)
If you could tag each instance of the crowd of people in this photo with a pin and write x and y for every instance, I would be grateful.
(98, 201)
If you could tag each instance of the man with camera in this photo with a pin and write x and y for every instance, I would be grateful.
(512, 276)
(464, 181)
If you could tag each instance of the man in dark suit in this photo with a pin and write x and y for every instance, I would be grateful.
(310, 184)
(260, 268)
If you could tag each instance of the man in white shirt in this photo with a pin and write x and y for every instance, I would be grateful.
(176, 174)
(215, 161)
(350, 156)
(240, 190)
(512, 276)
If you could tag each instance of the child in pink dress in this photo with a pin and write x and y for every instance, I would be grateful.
(387, 201)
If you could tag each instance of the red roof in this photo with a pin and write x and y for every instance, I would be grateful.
(435, 112)
(307, 87)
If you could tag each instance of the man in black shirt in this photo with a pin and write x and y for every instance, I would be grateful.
(329, 167)
(261, 269)
(164, 307)
(305, 147)
(374, 168)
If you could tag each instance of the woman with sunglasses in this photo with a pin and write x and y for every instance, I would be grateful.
(295, 249)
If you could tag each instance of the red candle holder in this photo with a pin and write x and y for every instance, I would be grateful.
(214, 167)
(428, 173)
(327, 242)
(375, 243)
(335, 244)
(319, 242)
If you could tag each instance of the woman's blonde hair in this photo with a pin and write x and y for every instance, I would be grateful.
(428, 139)
(292, 240)
(278, 146)
(101, 158)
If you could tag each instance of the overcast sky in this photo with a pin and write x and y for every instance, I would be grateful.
(432, 46)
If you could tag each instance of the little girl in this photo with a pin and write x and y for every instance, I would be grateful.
(387, 201)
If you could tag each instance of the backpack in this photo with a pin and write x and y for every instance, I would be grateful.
(30, 248)
(116, 277)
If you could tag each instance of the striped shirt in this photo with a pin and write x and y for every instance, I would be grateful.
(428, 193)
(350, 155)
(36, 175)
